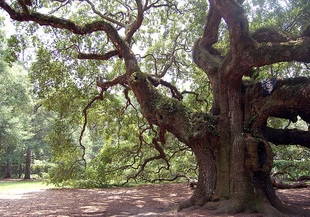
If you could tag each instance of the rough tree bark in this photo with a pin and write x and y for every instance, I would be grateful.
(231, 142)
(243, 151)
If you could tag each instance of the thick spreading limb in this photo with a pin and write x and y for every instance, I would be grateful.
(268, 53)
(288, 136)
(91, 56)
(282, 102)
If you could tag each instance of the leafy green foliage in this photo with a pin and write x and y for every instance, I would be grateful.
(66, 154)
(292, 16)
(121, 163)
(15, 102)
(16, 46)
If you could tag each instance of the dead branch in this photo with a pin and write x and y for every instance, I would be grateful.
(175, 177)
(282, 185)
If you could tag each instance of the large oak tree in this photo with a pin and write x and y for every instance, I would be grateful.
(231, 141)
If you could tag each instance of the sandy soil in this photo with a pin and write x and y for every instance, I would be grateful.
(148, 200)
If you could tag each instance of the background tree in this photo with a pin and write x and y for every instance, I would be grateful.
(15, 118)
(23, 127)
(231, 142)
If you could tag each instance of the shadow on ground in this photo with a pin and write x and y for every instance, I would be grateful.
(149, 200)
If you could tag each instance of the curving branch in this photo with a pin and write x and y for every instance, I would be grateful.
(238, 26)
(93, 7)
(156, 4)
(237, 23)
(288, 137)
(174, 91)
(104, 85)
(210, 35)
(135, 25)
(272, 52)
(289, 98)
(197, 95)
(100, 97)
(93, 56)
(171, 56)
(69, 25)
(204, 55)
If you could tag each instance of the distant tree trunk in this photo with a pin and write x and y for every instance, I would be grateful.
(8, 169)
(28, 163)
(20, 170)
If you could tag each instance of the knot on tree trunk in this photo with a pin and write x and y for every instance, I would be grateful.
(259, 155)
(202, 125)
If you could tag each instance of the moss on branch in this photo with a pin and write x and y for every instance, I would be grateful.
(169, 113)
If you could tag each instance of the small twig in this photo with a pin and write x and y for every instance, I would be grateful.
(104, 16)
(154, 58)
(171, 56)
(64, 3)
(288, 124)
(196, 96)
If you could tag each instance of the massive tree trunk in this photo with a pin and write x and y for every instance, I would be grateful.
(204, 190)
(244, 156)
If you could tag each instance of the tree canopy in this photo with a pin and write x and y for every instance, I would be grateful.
(205, 76)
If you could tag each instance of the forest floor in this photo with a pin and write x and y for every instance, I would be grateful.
(147, 200)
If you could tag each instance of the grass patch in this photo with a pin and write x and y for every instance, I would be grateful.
(23, 184)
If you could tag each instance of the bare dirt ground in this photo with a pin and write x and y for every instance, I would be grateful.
(148, 200)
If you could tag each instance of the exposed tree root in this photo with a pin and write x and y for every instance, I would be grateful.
(267, 209)
(231, 207)
(280, 209)
(195, 201)
(234, 206)
(186, 204)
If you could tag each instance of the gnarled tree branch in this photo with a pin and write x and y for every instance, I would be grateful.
(94, 56)
(272, 52)
(71, 26)
(289, 98)
(288, 137)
